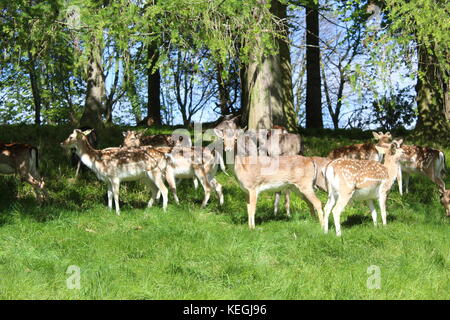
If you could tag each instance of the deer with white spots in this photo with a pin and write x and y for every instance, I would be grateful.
(22, 159)
(424, 160)
(256, 174)
(363, 151)
(197, 163)
(365, 180)
(114, 165)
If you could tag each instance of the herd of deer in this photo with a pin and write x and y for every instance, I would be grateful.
(264, 160)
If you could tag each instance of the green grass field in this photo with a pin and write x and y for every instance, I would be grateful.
(190, 253)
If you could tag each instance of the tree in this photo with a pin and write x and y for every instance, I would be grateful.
(424, 23)
(314, 117)
(268, 75)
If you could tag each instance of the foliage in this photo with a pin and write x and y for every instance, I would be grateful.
(393, 112)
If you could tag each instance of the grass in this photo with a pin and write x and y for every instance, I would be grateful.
(190, 253)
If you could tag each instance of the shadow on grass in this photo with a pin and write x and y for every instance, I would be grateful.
(358, 219)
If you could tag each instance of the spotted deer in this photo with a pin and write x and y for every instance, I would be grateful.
(136, 139)
(133, 139)
(114, 165)
(22, 159)
(199, 164)
(256, 174)
(424, 160)
(365, 180)
(76, 161)
(195, 162)
(363, 151)
(445, 200)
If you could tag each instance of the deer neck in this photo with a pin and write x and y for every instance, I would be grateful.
(86, 153)
(392, 165)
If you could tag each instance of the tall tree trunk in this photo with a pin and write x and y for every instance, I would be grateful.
(154, 87)
(35, 89)
(433, 102)
(268, 83)
(95, 93)
(313, 89)
(224, 94)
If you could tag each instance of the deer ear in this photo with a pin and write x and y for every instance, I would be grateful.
(375, 135)
(139, 134)
(381, 150)
(88, 132)
(124, 133)
(399, 142)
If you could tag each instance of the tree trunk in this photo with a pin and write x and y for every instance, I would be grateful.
(95, 93)
(433, 103)
(35, 89)
(313, 88)
(224, 94)
(154, 87)
(268, 83)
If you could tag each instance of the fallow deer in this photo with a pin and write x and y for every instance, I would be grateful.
(195, 162)
(363, 151)
(199, 164)
(424, 160)
(76, 161)
(261, 173)
(365, 180)
(113, 165)
(23, 160)
(136, 139)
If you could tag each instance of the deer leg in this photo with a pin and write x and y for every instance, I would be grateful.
(373, 211)
(276, 203)
(311, 207)
(251, 208)
(337, 210)
(110, 196)
(308, 192)
(399, 180)
(218, 188)
(330, 204)
(195, 183)
(200, 174)
(287, 203)
(115, 184)
(78, 169)
(406, 175)
(382, 203)
(172, 185)
(158, 181)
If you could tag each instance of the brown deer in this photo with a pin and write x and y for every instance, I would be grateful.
(23, 160)
(114, 165)
(365, 180)
(195, 162)
(256, 174)
(199, 164)
(363, 151)
(136, 139)
(424, 160)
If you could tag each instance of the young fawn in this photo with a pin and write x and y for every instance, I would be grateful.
(365, 180)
